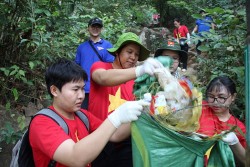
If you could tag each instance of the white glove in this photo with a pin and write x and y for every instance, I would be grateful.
(230, 138)
(148, 67)
(127, 112)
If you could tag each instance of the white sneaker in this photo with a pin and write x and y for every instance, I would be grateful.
(183, 70)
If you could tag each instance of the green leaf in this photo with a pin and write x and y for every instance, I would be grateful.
(15, 67)
(7, 106)
(31, 19)
(21, 72)
(15, 93)
(21, 122)
(6, 71)
(31, 64)
(203, 48)
(38, 11)
(56, 13)
(239, 71)
(241, 12)
(24, 40)
(37, 43)
(47, 13)
(218, 45)
(13, 72)
(196, 16)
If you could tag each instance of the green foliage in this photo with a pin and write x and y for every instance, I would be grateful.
(35, 33)
(224, 50)
(9, 134)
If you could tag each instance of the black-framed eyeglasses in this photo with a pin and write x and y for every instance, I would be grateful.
(220, 100)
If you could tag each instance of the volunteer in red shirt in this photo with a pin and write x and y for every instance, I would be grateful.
(182, 36)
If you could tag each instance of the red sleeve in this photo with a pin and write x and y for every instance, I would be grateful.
(100, 65)
(186, 29)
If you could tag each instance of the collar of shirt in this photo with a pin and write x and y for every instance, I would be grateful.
(100, 41)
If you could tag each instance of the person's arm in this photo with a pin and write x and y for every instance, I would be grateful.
(212, 26)
(212, 22)
(239, 151)
(114, 77)
(188, 39)
(87, 149)
(121, 133)
(195, 29)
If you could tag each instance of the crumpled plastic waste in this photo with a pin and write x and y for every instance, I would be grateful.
(173, 103)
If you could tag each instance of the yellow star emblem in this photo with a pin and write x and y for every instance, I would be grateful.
(115, 100)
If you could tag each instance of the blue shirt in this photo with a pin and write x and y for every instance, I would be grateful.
(204, 24)
(86, 56)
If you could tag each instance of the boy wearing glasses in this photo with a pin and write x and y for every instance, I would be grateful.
(91, 51)
(172, 49)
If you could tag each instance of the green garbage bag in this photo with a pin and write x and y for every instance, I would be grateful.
(221, 155)
(156, 146)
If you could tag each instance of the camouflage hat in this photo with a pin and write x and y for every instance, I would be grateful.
(169, 45)
(130, 37)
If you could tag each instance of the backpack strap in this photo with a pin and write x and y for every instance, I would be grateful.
(83, 118)
(59, 120)
(53, 115)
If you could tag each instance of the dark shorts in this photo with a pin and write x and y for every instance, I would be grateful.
(115, 155)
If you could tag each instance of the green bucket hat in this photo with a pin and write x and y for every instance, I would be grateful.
(127, 38)
(169, 45)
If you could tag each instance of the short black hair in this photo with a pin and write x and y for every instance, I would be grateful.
(202, 11)
(62, 72)
(177, 19)
(220, 81)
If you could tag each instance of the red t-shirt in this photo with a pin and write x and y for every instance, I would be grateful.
(211, 125)
(181, 32)
(46, 135)
(105, 99)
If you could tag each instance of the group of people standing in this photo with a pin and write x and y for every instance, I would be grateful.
(182, 35)
(102, 88)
